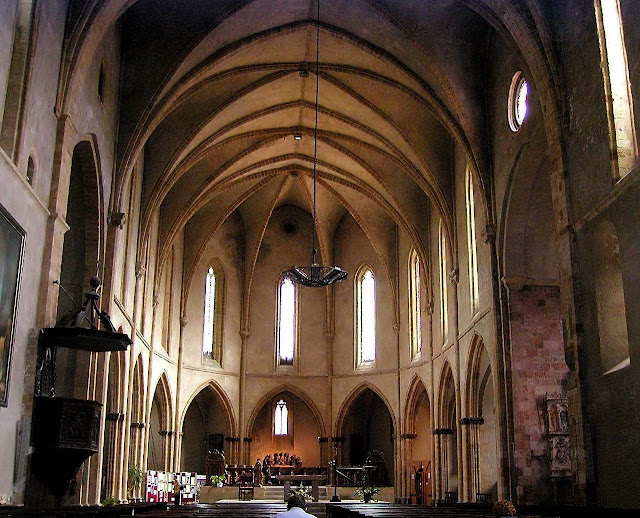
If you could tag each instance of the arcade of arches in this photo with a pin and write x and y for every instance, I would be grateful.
(477, 177)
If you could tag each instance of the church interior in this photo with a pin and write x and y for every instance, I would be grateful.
(472, 165)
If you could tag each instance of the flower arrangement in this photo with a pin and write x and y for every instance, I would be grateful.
(367, 493)
(504, 508)
(303, 491)
(217, 480)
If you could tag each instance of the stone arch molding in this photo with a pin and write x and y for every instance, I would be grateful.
(416, 389)
(474, 377)
(353, 395)
(166, 412)
(223, 398)
(292, 389)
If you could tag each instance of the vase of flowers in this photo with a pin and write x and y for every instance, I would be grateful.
(503, 508)
(367, 493)
(217, 480)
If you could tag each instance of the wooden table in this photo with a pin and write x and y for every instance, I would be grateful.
(314, 479)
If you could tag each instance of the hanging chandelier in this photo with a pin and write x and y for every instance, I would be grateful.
(315, 276)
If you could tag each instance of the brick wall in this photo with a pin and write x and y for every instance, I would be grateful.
(538, 368)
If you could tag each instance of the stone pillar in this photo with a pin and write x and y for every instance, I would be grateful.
(244, 336)
(454, 277)
(177, 426)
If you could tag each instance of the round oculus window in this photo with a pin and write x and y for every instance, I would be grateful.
(518, 101)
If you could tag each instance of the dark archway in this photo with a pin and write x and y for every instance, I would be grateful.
(112, 426)
(367, 426)
(206, 426)
(448, 434)
(482, 430)
(419, 450)
(159, 426)
(137, 419)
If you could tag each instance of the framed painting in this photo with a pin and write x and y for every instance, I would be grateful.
(11, 251)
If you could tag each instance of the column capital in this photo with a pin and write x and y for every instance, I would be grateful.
(140, 269)
(117, 219)
(489, 234)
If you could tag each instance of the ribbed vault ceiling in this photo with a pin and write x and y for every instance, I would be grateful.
(214, 92)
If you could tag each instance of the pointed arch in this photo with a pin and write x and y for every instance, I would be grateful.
(446, 395)
(417, 390)
(353, 395)
(415, 283)
(365, 312)
(292, 389)
(222, 397)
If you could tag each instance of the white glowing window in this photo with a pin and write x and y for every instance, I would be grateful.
(286, 322)
(415, 316)
(617, 87)
(366, 317)
(208, 332)
(518, 101)
(471, 243)
(281, 418)
(444, 317)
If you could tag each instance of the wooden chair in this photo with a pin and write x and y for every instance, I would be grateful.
(245, 487)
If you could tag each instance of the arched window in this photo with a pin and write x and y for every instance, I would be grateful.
(471, 243)
(442, 253)
(210, 309)
(365, 318)
(287, 319)
(415, 305)
(618, 97)
(281, 419)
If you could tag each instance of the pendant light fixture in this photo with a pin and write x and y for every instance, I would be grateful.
(315, 276)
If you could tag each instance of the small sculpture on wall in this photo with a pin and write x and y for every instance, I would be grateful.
(557, 413)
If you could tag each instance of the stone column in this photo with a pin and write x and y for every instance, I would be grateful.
(177, 421)
(454, 277)
(244, 336)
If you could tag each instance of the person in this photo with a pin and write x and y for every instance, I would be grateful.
(176, 490)
(296, 508)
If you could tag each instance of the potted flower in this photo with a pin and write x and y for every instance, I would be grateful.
(504, 508)
(217, 480)
(367, 493)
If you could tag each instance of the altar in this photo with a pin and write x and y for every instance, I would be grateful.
(314, 479)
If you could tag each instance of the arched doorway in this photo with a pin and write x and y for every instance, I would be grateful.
(447, 437)
(419, 448)
(367, 426)
(481, 412)
(206, 426)
(284, 422)
(159, 428)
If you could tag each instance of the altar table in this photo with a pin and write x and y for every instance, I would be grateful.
(314, 479)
